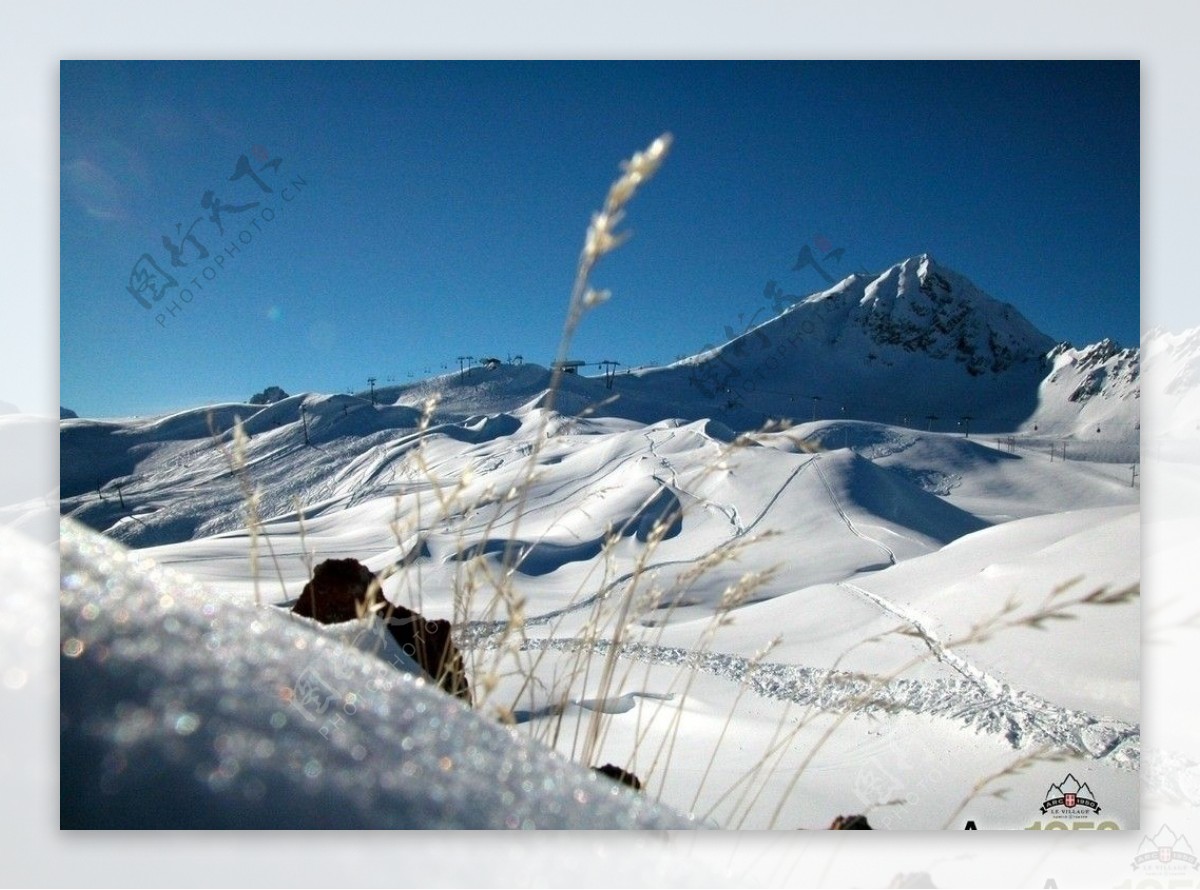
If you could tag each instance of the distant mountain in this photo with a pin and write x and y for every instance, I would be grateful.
(1089, 389)
(918, 345)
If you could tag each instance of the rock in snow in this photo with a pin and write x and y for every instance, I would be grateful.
(342, 589)
(269, 396)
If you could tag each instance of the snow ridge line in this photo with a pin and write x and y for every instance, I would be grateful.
(891, 555)
(1022, 717)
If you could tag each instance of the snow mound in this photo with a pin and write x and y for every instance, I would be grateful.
(182, 707)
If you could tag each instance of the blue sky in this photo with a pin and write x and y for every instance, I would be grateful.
(422, 211)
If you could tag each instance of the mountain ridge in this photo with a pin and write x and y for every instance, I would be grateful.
(916, 345)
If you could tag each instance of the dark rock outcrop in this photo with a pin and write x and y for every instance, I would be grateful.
(337, 592)
(431, 645)
(341, 590)
(268, 396)
(619, 775)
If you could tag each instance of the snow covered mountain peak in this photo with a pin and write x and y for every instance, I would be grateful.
(922, 306)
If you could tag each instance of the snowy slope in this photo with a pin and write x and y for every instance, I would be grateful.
(977, 473)
(826, 514)
(1092, 394)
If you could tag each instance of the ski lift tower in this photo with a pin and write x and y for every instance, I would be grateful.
(568, 366)
(610, 371)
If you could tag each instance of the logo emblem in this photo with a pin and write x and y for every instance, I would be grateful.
(1069, 797)
(1165, 853)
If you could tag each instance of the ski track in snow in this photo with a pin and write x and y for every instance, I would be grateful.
(1022, 717)
(987, 684)
(729, 511)
(846, 519)
(995, 690)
